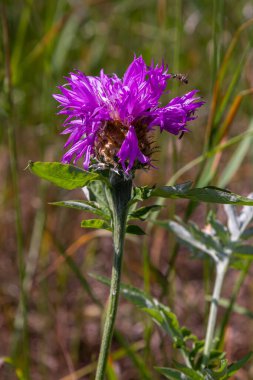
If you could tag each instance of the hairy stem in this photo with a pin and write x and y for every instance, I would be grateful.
(118, 198)
(221, 268)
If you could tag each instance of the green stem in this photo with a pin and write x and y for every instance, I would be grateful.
(146, 277)
(118, 198)
(21, 333)
(221, 268)
(218, 11)
(233, 298)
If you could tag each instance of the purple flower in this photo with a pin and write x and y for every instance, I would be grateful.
(109, 120)
(130, 151)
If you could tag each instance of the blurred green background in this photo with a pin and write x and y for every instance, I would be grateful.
(50, 326)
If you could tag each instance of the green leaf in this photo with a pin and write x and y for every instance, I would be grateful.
(247, 234)
(164, 317)
(140, 194)
(189, 371)
(144, 212)
(86, 206)
(188, 335)
(96, 192)
(245, 251)
(161, 314)
(172, 374)
(136, 296)
(234, 367)
(196, 353)
(194, 238)
(135, 230)
(175, 191)
(95, 223)
(218, 374)
(220, 230)
(238, 262)
(66, 176)
(206, 194)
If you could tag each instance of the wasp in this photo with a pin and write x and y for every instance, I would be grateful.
(181, 77)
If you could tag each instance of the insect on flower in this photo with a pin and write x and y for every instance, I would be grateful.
(110, 120)
(181, 77)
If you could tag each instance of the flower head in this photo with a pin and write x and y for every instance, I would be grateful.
(109, 119)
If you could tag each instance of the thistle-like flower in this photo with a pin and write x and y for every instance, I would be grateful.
(110, 120)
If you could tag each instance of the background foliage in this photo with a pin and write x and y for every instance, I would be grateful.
(50, 318)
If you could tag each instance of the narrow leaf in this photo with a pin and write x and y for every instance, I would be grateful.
(189, 371)
(219, 373)
(140, 194)
(135, 230)
(136, 296)
(144, 212)
(205, 194)
(234, 367)
(172, 374)
(160, 313)
(219, 229)
(95, 223)
(244, 250)
(247, 234)
(194, 238)
(86, 206)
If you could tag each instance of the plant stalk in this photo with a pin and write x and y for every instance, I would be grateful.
(20, 340)
(118, 198)
(232, 301)
(221, 268)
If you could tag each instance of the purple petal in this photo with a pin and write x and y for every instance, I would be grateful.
(130, 151)
(174, 117)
